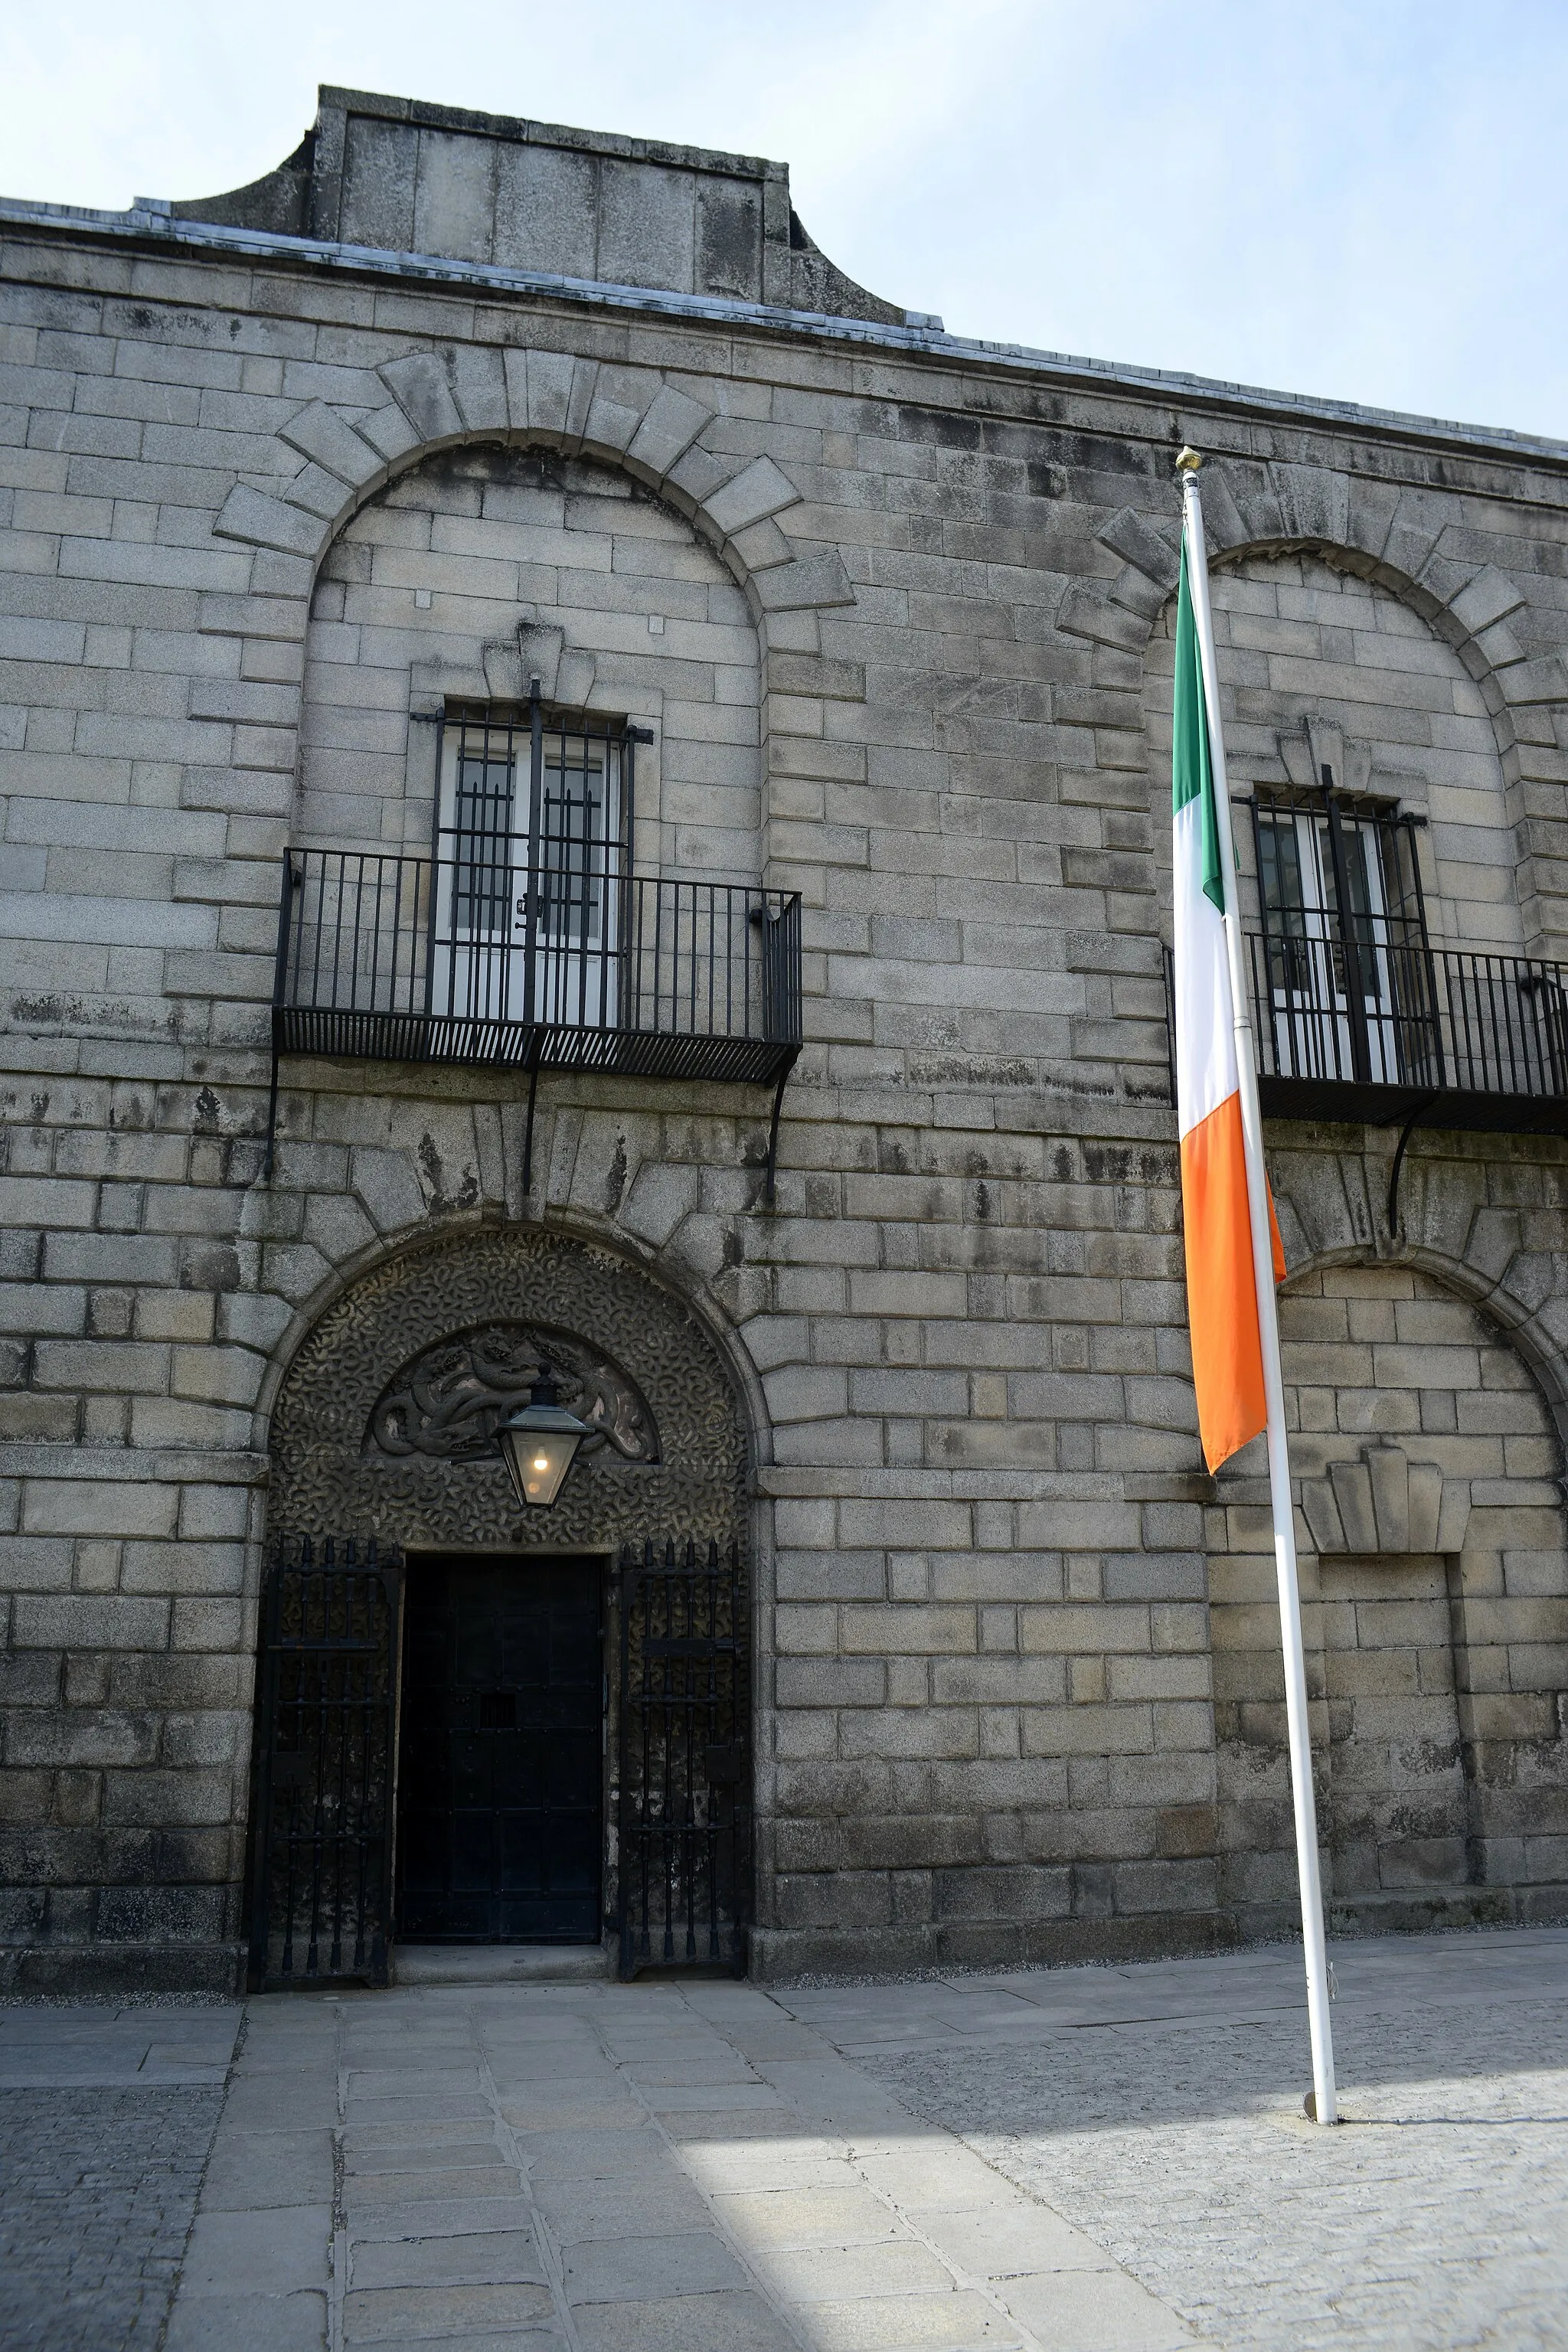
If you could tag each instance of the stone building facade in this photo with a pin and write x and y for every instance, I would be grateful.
(454, 420)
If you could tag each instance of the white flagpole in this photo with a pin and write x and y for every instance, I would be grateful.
(1325, 2102)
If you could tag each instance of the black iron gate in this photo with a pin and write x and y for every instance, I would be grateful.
(322, 1794)
(685, 1810)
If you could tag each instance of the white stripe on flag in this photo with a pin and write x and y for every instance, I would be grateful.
(1206, 1071)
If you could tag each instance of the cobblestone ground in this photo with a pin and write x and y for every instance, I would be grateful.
(1159, 2110)
(107, 2118)
(97, 2191)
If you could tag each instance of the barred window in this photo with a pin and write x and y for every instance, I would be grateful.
(553, 819)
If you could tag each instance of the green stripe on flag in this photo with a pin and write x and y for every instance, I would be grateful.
(1192, 774)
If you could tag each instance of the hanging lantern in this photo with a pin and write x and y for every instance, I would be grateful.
(540, 1443)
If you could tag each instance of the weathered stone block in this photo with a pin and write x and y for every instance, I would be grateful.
(262, 521)
(108, 1622)
(672, 423)
(422, 387)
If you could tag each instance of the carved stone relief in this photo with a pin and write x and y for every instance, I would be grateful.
(1385, 1503)
(449, 1402)
(382, 1420)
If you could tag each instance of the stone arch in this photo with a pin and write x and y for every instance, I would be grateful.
(1471, 1221)
(360, 1449)
(1405, 540)
(571, 1231)
(486, 563)
(1480, 1288)
(1426, 1451)
(331, 460)
(1318, 663)
(632, 417)
(331, 1474)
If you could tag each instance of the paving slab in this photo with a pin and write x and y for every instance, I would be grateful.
(545, 2112)
(593, 2155)
(271, 2251)
(417, 2314)
(485, 2257)
(998, 2240)
(693, 2322)
(434, 2132)
(108, 2047)
(366, 2195)
(1084, 2160)
(248, 2323)
(575, 2210)
(281, 2098)
(634, 2269)
(807, 2217)
(432, 2216)
(1095, 2311)
(251, 2170)
(399, 2148)
(830, 2274)
(954, 2322)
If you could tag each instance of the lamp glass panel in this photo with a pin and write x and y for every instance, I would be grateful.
(538, 1461)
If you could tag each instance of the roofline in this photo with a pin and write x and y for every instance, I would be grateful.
(150, 223)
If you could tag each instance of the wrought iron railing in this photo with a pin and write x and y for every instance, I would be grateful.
(580, 966)
(424, 960)
(1410, 1017)
(1397, 1031)
(1402, 1035)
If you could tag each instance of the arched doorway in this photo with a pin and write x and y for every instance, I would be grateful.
(479, 1726)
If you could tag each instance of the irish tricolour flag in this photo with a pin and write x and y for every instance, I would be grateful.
(1232, 1243)
(1222, 1290)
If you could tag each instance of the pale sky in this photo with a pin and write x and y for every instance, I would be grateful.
(1359, 198)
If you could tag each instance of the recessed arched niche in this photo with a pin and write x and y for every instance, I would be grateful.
(484, 566)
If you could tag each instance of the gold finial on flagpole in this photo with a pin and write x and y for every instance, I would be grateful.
(1189, 461)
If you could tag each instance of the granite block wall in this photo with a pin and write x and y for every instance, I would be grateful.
(1016, 1697)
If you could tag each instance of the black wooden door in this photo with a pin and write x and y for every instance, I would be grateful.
(501, 1768)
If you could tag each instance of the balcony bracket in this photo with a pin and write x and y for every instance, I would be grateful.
(270, 1151)
(528, 1124)
(1405, 1132)
(768, 1194)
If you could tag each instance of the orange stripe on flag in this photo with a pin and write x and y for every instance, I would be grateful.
(1222, 1291)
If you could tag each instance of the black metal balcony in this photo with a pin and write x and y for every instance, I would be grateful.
(1393, 1032)
(578, 966)
(1382, 1031)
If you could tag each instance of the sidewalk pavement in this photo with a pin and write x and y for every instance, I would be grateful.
(1084, 2161)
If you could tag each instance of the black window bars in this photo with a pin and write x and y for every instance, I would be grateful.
(526, 940)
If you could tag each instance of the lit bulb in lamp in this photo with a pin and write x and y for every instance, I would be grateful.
(539, 1444)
